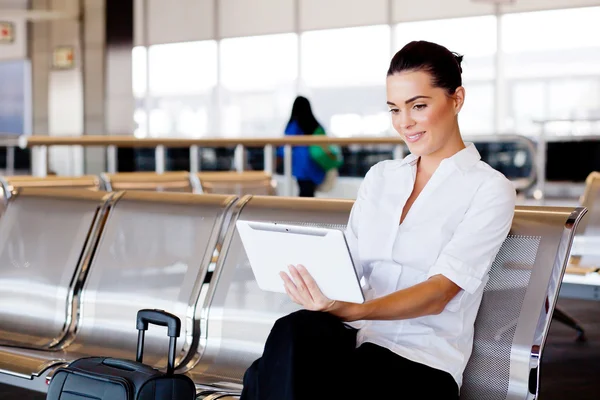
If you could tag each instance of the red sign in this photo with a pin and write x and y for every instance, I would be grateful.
(7, 32)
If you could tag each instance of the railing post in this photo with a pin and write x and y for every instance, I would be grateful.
(10, 160)
(287, 169)
(111, 159)
(268, 156)
(398, 152)
(194, 159)
(39, 161)
(239, 159)
(159, 154)
(540, 187)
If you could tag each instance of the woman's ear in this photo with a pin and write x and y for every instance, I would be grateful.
(459, 99)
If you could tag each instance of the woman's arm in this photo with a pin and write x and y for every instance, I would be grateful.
(460, 268)
(426, 298)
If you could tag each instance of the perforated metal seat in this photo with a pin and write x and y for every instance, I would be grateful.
(509, 332)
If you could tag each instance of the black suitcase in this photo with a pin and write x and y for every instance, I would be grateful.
(103, 378)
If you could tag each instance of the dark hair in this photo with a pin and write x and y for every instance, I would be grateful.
(442, 64)
(303, 115)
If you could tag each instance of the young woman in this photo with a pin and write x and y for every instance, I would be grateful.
(306, 171)
(426, 230)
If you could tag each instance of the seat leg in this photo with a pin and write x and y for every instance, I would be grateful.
(566, 319)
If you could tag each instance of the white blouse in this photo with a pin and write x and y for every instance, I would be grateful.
(454, 228)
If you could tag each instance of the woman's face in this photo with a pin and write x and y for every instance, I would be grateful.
(423, 115)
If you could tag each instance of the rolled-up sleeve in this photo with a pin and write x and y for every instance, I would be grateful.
(466, 259)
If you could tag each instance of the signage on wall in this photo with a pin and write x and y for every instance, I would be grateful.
(63, 57)
(7, 32)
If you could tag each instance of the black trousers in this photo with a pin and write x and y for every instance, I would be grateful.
(307, 188)
(312, 356)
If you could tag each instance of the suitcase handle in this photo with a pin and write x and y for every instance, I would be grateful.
(162, 318)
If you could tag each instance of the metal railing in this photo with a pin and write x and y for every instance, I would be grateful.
(39, 148)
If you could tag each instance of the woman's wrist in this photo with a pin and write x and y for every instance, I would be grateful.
(346, 311)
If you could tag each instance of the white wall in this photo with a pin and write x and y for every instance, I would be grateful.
(319, 14)
(255, 17)
(191, 20)
(406, 10)
(538, 5)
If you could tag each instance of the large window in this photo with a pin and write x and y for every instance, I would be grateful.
(343, 74)
(552, 64)
(259, 83)
(182, 79)
(457, 35)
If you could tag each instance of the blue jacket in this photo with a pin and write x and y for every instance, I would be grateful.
(303, 167)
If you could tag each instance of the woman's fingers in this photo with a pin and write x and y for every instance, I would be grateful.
(291, 288)
(300, 284)
(309, 282)
(320, 301)
(289, 293)
(303, 289)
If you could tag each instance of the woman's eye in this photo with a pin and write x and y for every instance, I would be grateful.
(419, 106)
(394, 110)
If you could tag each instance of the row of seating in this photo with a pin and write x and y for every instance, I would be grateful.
(222, 182)
(76, 265)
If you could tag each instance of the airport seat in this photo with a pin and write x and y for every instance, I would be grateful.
(240, 315)
(9, 184)
(171, 181)
(510, 329)
(46, 240)
(589, 227)
(91, 182)
(584, 264)
(154, 252)
(238, 183)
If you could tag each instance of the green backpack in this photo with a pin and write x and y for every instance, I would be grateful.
(326, 160)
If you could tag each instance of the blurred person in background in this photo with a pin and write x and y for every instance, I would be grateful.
(306, 171)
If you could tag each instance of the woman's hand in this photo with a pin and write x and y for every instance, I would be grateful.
(303, 290)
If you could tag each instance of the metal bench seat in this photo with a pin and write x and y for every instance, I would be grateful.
(154, 252)
(510, 329)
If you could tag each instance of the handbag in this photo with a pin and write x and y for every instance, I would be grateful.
(329, 182)
(326, 156)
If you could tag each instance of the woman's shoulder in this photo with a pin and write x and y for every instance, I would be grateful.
(494, 182)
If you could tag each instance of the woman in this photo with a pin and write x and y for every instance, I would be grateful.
(308, 173)
(426, 230)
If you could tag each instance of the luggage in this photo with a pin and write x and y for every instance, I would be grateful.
(105, 378)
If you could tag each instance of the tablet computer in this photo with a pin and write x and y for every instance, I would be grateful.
(324, 252)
